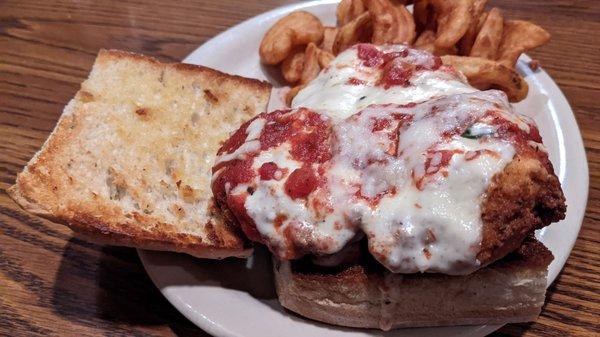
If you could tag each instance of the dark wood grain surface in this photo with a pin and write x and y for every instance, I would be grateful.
(53, 284)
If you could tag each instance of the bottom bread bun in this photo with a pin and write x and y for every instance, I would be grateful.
(364, 295)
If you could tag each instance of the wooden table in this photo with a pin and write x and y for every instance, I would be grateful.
(53, 284)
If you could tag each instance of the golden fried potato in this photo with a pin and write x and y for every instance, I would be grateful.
(292, 66)
(348, 10)
(289, 96)
(518, 37)
(297, 28)
(489, 37)
(453, 20)
(486, 74)
(358, 30)
(401, 2)
(423, 16)
(391, 24)
(384, 25)
(342, 12)
(314, 60)
(426, 40)
(324, 57)
(406, 28)
(481, 21)
(328, 38)
(311, 64)
(466, 42)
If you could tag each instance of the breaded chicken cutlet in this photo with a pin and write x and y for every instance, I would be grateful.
(394, 194)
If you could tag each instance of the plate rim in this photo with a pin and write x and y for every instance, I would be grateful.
(566, 119)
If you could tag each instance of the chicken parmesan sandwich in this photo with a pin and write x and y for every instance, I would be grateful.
(394, 194)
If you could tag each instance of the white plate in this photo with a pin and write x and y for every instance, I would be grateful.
(235, 297)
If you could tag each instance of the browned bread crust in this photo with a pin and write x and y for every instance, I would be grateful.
(129, 160)
(367, 296)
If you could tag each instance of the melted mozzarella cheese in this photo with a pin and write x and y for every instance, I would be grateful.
(255, 129)
(240, 152)
(331, 93)
(418, 206)
(251, 144)
(401, 228)
(481, 129)
(270, 201)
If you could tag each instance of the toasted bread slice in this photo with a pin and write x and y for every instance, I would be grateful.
(129, 162)
(364, 295)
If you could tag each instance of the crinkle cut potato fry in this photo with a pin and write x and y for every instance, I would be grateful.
(486, 74)
(297, 28)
